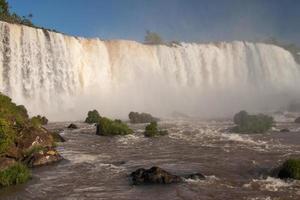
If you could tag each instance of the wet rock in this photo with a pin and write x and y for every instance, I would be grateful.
(285, 130)
(196, 176)
(57, 137)
(30, 137)
(154, 175)
(72, 126)
(42, 157)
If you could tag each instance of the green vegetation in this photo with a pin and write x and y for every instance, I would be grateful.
(15, 174)
(297, 120)
(38, 120)
(33, 150)
(290, 169)
(136, 117)
(108, 127)
(252, 123)
(151, 130)
(93, 117)
(7, 136)
(153, 38)
(6, 16)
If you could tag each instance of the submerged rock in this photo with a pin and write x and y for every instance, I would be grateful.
(285, 130)
(156, 175)
(72, 126)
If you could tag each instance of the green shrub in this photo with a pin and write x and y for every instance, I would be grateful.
(93, 117)
(290, 169)
(252, 123)
(136, 117)
(151, 130)
(153, 38)
(38, 121)
(33, 150)
(15, 174)
(108, 127)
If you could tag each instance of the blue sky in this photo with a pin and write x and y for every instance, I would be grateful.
(184, 20)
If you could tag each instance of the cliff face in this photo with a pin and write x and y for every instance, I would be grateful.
(65, 76)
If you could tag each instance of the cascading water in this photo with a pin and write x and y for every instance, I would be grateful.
(63, 77)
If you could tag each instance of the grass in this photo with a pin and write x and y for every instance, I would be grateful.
(15, 174)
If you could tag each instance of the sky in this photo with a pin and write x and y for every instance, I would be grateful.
(180, 20)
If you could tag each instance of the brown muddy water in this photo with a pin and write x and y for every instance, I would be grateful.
(235, 166)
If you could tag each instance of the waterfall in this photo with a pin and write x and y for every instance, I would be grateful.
(63, 77)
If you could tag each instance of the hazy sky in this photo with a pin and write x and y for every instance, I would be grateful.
(187, 20)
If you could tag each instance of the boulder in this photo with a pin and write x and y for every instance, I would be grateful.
(196, 176)
(285, 130)
(43, 157)
(72, 126)
(30, 137)
(57, 137)
(154, 175)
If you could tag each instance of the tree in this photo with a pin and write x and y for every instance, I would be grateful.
(4, 7)
(152, 38)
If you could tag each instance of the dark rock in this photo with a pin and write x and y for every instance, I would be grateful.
(42, 157)
(196, 176)
(297, 120)
(30, 137)
(72, 126)
(57, 137)
(285, 130)
(154, 175)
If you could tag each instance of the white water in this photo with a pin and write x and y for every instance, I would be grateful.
(63, 77)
